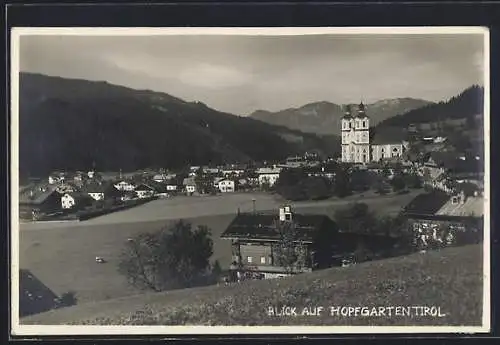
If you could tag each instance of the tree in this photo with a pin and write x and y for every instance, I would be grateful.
(289, 252)
(316, 188)
(342, 183)
(204, 182)
(398, 183)
(173, 257)
(413, 181)
(356, 218)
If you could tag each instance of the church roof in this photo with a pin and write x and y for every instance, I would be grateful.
(388, 135)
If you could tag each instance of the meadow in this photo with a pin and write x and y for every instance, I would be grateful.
(450, 279)
(62, 255)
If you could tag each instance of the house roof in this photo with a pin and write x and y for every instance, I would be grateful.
(473, 206)
(188, 181)
(388, 135)
(443, 159)
(261, 226)
(158, 187)
(94, 188)
(36, 194)
(268, 170)
(34, 296)
(427, 203)
(144, 187)
(79, 196)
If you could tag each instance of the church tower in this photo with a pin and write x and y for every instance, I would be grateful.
(362, 127)
(348, 135)
(355, 135)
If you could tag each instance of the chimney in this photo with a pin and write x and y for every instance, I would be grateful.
(285, 213)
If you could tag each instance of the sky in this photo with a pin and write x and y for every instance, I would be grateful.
(241, 74)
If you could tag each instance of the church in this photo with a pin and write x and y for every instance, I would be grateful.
(360, 145)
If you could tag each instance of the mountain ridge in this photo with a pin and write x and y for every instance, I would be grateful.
(75, 124)
(323, 117)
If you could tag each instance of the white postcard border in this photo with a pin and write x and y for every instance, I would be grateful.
(39, 330)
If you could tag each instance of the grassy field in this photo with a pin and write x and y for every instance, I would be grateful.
(450, 279)
(62, 255)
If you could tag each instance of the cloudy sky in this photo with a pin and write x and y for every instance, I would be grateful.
(240, 74)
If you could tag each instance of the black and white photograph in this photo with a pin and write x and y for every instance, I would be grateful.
(250, 180)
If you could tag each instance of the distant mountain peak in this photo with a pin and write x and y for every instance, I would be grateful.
(323, 117)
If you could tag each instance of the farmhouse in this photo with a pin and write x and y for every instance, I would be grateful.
(189, 185)
(124, 185)
(37, 199)
(56, 177)
(226, 186)
(233, 170)
(268, 175)
(75, 200)
(101, 191)
(254, 237)
(160, 189)
(144, 191)
(437, 219)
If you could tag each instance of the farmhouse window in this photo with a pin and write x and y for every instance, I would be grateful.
(249, 259)
(262, 259)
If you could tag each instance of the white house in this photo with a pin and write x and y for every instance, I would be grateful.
(171, 187)
(190, 185)
(226, 186)
(144, 191)
(124, 186)
(56, 178)
(70, 200)
(217, 180)
(268, 175)
(94, 190)
(160, 178)
(67, 201)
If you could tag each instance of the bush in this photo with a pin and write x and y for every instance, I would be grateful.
(67, 299)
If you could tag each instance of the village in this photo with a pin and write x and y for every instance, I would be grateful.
(448, 184)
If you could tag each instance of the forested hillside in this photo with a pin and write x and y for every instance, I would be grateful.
(78, 124)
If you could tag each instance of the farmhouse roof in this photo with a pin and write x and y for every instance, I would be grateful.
(34, 296)
(94, 188)
(36, 194)
(262, 226)
(189, 181)
(144, 187)
(158, 187)
(79, 196)
(426, 204)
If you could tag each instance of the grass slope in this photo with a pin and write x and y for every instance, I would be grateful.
(450, 279)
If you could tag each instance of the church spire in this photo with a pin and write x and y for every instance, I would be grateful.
(347, 109)
(361, 107)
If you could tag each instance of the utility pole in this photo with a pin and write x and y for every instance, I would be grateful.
(253, 202)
